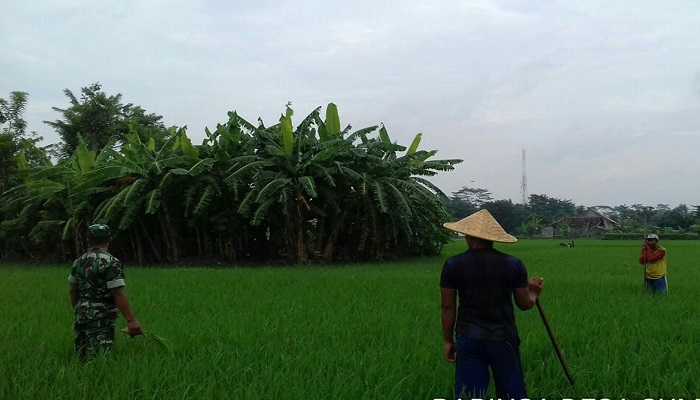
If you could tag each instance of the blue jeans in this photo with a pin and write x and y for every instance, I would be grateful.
(474, 357)
(656, 285)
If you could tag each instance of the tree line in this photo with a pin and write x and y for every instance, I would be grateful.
(541, 210)
(247, 193)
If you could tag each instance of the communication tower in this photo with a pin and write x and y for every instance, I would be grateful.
(523, 185)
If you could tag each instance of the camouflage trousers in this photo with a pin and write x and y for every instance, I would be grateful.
(93, 337)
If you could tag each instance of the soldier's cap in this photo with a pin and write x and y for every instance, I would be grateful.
(99, 231)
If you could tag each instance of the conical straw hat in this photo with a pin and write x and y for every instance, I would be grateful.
(481, 225)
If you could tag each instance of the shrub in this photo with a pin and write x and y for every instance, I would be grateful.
(663, 236)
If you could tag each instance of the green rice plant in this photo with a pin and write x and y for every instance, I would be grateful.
(158, 340)
(367, 331)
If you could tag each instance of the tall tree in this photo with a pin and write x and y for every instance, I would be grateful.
(9, 148)
(14, 139)
(676, 218)
(100, 119)
(11, 120)
(643, 214)
(467, 201)
(12, 128)
(551, 208)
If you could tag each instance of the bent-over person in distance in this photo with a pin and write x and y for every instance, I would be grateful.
(97, 296)
(653, 258)
(486, 281)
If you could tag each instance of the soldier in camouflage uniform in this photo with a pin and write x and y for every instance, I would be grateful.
(97, 296)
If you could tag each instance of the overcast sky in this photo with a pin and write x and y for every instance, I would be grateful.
(603, 96)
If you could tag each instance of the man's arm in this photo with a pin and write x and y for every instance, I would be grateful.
(448, 314)
(73, 293)
(121, 300)
(643, 255)
(525, 298)
(656, 255)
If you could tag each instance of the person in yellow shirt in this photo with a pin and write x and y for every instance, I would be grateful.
(653, 258)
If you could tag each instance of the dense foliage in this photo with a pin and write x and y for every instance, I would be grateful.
(541, 210)
(247, 193)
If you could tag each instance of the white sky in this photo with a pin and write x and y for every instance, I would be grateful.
(604, 96)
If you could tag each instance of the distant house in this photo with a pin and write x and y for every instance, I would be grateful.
(592, 223)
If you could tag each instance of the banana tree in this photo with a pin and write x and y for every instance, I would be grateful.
(142, 190)
(46, 202)
(396, 211)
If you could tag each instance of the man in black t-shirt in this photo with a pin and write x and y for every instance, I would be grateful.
(486, 281)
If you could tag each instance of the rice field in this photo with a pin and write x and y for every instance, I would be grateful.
(355, 331)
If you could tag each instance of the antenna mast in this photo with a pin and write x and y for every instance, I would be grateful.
(523, 185)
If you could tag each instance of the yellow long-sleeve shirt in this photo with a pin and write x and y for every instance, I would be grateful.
(654, 262)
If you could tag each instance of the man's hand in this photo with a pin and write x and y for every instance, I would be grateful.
(450, 352)
(535, 285)
(133, 328)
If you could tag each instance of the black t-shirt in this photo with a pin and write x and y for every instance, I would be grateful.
(485, 280)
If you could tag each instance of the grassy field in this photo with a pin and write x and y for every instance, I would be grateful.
(356, 331)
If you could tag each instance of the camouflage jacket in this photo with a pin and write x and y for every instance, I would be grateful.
(95, 273)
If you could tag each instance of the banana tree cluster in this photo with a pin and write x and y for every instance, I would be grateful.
(248, 193)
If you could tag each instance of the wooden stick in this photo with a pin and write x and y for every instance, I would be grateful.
(554, 343)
